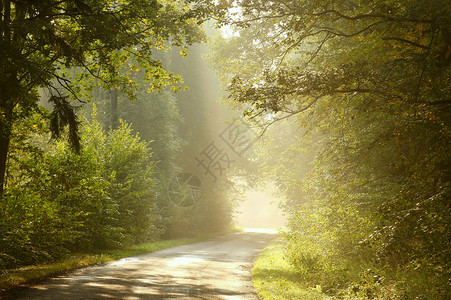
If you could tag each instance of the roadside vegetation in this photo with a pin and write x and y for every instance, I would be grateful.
(101, 202)
(353, 102)
(275, 278)
(92, 131)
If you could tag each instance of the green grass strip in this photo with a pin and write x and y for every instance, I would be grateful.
(274, 278)
(16, 277)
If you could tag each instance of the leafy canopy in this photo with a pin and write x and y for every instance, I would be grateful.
(70, 46)
(368, 82)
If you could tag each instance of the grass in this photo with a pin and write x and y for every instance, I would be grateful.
(16, 277)
(274, 278)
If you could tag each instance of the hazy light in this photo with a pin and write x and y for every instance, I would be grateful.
(261, 230)
(260, 209)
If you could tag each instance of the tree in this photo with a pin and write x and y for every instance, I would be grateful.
(369, 81)
(155, 117)
(64, 45)
(370, 46)
(58, 201)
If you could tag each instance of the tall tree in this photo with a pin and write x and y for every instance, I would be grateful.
(371, 79)
(60, 44)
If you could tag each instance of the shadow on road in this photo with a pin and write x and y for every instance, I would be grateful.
(214, 269)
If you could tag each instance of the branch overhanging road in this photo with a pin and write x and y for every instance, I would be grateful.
(219, 268)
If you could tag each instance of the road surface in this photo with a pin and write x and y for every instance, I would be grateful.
(215, 269)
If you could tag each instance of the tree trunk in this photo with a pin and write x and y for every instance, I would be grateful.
(4, 146)
(6, 110)
(5, 116)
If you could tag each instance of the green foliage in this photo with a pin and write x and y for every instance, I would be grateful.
(275, 278)
(72, 46)
(61, 201)
(133, 184)
(177, 125)
(31, 230)
(113, 191)
(368, 83)
(213, 213)
(156, 117)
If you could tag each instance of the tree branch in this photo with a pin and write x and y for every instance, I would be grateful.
(369, 16)
(364, 91)
(405, 41)
(290, 114)
(330, 30)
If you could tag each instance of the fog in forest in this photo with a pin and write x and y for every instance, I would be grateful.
(260, 209)
(131, 122)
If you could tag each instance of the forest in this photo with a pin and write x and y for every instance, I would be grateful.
(104, 102)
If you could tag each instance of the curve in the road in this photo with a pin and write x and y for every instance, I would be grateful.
(214, 269)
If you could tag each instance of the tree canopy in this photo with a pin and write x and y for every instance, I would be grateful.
(69, 46)
(368, 82)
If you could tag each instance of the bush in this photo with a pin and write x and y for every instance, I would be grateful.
(133, 184)
(58, 201)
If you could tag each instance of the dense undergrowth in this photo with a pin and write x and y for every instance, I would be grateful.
(354, 98)
(108, 196)
(57, 201)
(275, 278)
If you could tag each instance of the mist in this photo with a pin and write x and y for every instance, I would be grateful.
(260, 208)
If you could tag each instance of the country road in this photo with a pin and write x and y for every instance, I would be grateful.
(215, 269)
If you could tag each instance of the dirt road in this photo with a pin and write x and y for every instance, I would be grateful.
(214, 269)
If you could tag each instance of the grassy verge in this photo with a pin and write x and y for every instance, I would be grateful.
(19, 276)
(274, 278)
